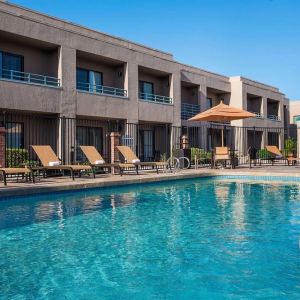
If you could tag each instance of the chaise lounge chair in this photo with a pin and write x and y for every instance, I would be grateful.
(132, 161)
(50, 161)
(16, 171)
(95, 159)
(222, 154)
(276, 154)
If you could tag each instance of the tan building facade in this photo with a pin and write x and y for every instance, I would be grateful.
(294, 111)
(55, 68)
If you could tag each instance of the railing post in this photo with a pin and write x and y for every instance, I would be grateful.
(2, 146)
(114, 142)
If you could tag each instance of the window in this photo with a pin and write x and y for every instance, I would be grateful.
(86, 136)
(209, 103)
(146, 88)
(14, 135)
(11, 66)
(273, 139)
(88, 80)
(147, 145)
(296, 119)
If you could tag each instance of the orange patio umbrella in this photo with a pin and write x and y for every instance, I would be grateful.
(222, 112)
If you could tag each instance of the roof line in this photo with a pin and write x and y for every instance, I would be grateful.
(86, 28)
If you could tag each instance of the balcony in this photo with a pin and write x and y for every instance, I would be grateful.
(101, 89)
(189, 110)
(274, 118)
(29, 78)
(155, 98)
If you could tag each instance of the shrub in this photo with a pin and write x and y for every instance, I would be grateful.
(16, 157)
(163, 157)
(290, 146)
(200, 154)
(264, 154)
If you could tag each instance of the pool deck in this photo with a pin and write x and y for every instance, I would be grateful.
(53, 184)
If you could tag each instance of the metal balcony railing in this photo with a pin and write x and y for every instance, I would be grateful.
(189, 110)
(101, 89)
(273, 118)
(155, 98)
(258, 115)
(30, 78)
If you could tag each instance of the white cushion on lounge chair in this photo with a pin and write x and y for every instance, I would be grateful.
(99, 162)
(135, 161)
(54, 163)
(278, 156)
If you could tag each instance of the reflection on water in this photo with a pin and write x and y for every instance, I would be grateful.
(32, 210)
(194, 239)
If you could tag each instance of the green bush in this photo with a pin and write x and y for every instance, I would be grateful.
(200, 154)
(290, 146)
(263, 154)
(163, 157)
(16, 157)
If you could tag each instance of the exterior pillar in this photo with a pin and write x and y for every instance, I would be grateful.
(2, 146)
(67, 140)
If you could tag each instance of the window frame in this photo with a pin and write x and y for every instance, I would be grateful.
(141, 88)
(14, 55)
(89, 77)
(22, 139)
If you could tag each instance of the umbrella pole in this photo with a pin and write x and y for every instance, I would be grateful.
(222, 137)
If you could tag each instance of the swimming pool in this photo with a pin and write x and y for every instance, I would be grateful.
(190, 239)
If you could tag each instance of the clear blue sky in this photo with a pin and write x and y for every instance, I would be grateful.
(258, 39)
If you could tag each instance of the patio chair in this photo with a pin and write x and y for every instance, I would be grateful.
(95, 159)
(50, 161)
(222, 154)
(131, 160)
(276, 154)
(24, 171)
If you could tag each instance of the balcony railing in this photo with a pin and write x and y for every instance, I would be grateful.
(101, 89)
(258, 115)
(30, 78)
(189, 110)
(273, 118)
(155, 98)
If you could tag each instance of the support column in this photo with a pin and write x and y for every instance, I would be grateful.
(68, 104)
(202, 101)
(265, 107)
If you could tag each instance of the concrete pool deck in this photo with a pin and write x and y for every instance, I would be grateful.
(54, 184)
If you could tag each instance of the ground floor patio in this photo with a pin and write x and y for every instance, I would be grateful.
(65, 183)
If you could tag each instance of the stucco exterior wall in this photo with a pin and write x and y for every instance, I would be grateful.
(67, 40)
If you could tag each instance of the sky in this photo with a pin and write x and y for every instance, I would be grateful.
(257, 39)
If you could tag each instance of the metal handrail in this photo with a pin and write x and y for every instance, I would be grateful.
(273, 118)
(258, 115)
(189, 110)
(156, 98)
(29, 78)
(101, 89)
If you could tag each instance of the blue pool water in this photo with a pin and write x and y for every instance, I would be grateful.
(192, 239)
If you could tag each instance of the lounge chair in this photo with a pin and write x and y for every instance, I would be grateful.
(16, 171)
(277, 155)
(50, 161)
(95, 159)
(132, 161)
(222, 154)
